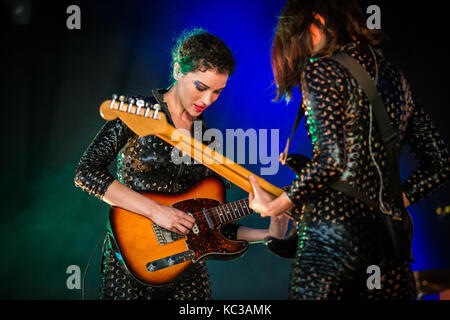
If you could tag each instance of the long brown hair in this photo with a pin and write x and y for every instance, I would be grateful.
(292, 44)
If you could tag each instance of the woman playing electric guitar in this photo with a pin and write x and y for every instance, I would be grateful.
(201, 64)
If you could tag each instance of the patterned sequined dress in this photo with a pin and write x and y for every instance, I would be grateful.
(339, 237)
(143, 164)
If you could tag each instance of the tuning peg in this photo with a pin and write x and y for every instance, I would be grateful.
(140, 103)
(147, 105)
(157, 107)
(122, 100)
(114, 97)
(130, 104)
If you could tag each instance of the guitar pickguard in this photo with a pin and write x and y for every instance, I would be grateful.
(155, 255)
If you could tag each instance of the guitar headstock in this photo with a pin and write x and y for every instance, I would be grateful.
(140, 116)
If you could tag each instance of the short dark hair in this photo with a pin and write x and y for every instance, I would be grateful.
(197, 49)
(292, 44)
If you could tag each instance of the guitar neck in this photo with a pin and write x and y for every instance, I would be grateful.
(232, 211)
(217, 162)
(144, 121)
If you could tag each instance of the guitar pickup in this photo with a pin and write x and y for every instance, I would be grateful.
(170, 261)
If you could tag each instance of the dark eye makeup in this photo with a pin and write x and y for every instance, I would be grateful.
(201, 87)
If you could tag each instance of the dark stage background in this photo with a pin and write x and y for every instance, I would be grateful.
(54, 79)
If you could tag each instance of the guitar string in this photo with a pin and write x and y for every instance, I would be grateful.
(214, 212)
(211, 211)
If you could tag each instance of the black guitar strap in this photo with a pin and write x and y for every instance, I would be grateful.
(299, 117)
(390, 141)
(388, 134)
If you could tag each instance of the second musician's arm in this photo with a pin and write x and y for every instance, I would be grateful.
(324, 120)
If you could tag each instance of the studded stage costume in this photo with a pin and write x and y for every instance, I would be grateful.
(143, 164)
(340, 237)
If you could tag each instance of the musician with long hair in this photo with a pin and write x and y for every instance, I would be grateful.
(201, 64)
(340, 236)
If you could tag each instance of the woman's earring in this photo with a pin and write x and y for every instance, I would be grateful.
(177, 75)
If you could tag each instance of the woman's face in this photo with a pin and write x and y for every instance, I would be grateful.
(199, 89)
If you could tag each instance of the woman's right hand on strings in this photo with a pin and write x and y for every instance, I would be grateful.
(171, 219)
(164, 216)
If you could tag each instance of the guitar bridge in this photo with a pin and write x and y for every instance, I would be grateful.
(165, 236)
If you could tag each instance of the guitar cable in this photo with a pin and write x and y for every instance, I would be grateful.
(83, 285)
(383, 208)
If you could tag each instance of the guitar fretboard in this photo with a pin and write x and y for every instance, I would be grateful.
(229, 212)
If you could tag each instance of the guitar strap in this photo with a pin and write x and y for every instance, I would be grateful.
(299, 117)
(391, 143)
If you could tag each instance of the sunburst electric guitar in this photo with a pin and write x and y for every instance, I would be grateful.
(154, 255)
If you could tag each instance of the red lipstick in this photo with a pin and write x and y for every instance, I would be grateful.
(199, 108)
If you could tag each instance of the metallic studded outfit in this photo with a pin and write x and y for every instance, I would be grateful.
(339, 237)
(143, 164)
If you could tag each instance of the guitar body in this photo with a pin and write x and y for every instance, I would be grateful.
(155, 256)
